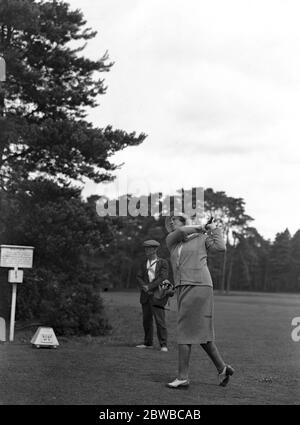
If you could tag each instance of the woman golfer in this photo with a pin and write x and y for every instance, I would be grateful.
(188, 246)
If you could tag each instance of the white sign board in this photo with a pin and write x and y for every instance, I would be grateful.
(14, 256)
(15, 276)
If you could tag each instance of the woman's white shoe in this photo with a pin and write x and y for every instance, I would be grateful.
(179, 383)
(225, 375)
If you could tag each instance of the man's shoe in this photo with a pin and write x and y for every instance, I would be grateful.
(144, 346)
(224, 376)
(164, 349)
(179, 384)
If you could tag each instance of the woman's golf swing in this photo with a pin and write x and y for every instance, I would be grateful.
(188, 246)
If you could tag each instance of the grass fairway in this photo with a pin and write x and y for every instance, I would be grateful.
(253, 333)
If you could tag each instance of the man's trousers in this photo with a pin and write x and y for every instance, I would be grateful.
(150, 311)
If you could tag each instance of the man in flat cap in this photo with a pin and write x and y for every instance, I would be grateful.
(151, 274)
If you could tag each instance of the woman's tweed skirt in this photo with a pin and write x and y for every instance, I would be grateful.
(195, 321)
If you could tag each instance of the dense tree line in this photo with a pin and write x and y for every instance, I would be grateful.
(251, 263)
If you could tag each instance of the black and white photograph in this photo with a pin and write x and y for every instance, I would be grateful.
(149, 206)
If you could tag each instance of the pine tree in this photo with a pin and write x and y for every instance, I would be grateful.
(49, 86)
(47, 148)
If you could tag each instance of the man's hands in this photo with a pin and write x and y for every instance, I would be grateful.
(145, 288)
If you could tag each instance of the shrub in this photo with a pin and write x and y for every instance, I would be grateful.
(70, 303)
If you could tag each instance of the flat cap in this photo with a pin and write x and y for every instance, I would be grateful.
(152, 243)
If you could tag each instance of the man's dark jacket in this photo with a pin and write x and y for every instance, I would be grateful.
(161, 273)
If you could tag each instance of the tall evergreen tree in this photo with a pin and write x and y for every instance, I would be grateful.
(231, 213)
(49, 86)
(47, 148)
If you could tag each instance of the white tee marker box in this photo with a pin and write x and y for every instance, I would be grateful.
(44, 337)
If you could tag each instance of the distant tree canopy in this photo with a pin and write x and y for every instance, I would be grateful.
(251, 263)
(46, 147)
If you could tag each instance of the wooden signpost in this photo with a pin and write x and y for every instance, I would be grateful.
(15, 257)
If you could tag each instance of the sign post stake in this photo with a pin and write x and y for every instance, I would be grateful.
(2, 78)
(13, 310)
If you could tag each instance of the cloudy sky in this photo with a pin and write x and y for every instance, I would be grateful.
(216, 87)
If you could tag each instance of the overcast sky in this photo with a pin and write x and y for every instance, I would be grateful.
(216, 87)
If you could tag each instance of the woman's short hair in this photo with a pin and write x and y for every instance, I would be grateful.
(168, 221)
(180, 218)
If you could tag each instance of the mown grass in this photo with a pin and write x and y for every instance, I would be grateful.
(253, 334)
